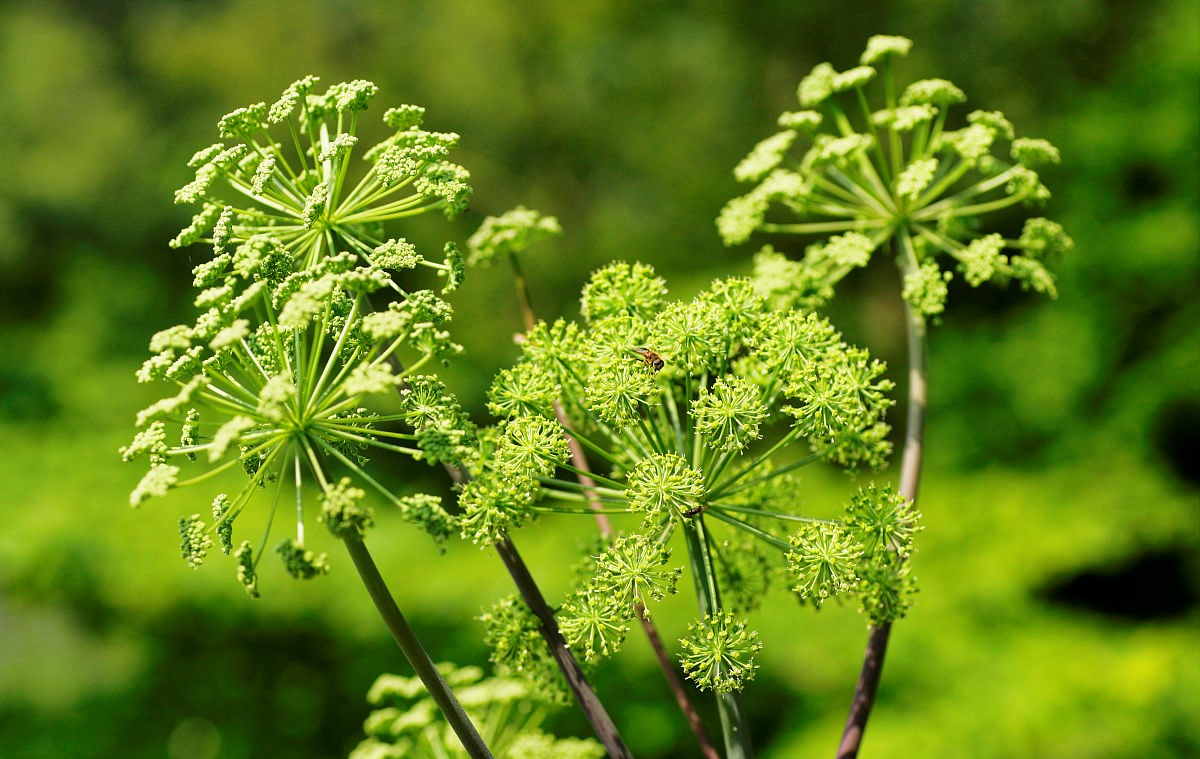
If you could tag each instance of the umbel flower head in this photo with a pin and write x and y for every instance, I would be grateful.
(695, 414)
(718, 653)
(273, 375)
(283, 401)
(288, 171)
(891, 174)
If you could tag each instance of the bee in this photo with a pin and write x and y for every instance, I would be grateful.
(650, 358)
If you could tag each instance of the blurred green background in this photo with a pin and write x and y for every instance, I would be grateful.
(1058, 612)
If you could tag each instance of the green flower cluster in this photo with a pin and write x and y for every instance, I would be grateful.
(406, 724)
(687, 408)
(892, 174)
(283, 171)
(273, 374)
(718, 653)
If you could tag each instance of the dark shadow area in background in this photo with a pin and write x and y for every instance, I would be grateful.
(1177, 438)
(25, 395)
(1158, 585)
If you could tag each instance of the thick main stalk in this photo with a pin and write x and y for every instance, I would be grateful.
(416, 654)
(910, 479)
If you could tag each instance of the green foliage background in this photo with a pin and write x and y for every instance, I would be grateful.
(1058, 613)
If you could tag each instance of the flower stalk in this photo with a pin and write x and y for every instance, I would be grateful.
(894, 178)
(583, 473)
(602, 725)
(729, 704)
(867, 686)
(426, 670)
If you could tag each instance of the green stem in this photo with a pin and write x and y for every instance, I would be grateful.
(980, 208)
(580, 487)
(935, 210)
(708, 598)
(416, 654)
(910, 478)
(824, 226)
(527, 314)
(761, 534)
(792, 434)
(771, 474)
(889, 89)
(716, 508)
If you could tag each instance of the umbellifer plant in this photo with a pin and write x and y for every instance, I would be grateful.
(691, 413)
(667, 421)
(890, 178)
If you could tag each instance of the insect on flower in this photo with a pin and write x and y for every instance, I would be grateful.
(651, 359)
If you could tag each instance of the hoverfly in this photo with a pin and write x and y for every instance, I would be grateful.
(650, 358)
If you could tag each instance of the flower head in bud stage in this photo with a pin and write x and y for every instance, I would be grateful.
(504, 489)
(823, 562)
(636, 570)
(271, 379)
(745, 395)
(594, 624)
(405, 721)
(509, 234)
(718, 653)
(884, 522)
(894, 177)
(511, 631)
(289, 172)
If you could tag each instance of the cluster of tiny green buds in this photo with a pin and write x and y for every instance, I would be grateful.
(893, 177)
(718, 654)
(494, 504)
(522, 390)
(300, 562)
(883, 522)
(594, 624)
(343, 512)
(867, 552)
(729, 415)
(664, 484)
(632, 571)
(511, 631)
(287, 346)
(500, 495)
(427, 512)
(287, 175)
(194, 540)
(622, 289)
(823, 562)
(695, 412)
(636, 570)
(405, 721)
(509, 234)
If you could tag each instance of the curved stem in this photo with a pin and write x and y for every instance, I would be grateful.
(910, 479)
(416, 654)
